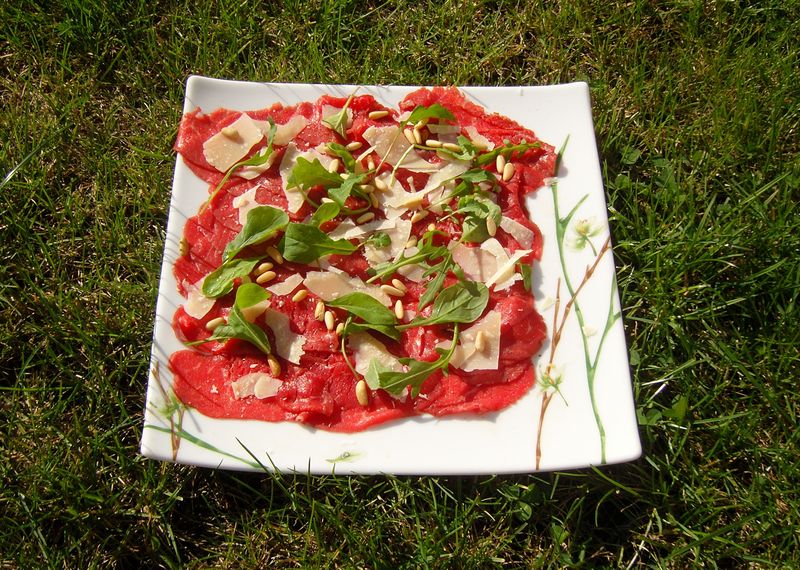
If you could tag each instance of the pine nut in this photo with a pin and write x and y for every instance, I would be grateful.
(362, 393)
(452, 147)
(355, 145)
(266, 277)
(183, 247)
(409, 134)
(367, 188)
(412, 242)
(419, 215)
(326, 200)
(263, 267)
(300, 295)
(500, 163)
(374, 200)
(339, 328)
(274, 365)
(319, 310)
(431, 227)
(375, 115)
(275, 254)
(491, 226)
(364, 218)
(380, 185)
(330, 320)
(508, 171)
(392, 290)
(214, 323)
(421, 124)
(480, 341)
(229, 132)
(417, 136)
(399, 310)
(434, 143)
(370, 163)
(400, 285)
(334, 165)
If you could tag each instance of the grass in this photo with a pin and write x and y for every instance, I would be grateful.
(697, 113)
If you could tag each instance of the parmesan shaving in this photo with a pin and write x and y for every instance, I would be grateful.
(223, 151)
(329, 286)
(476, 137)
(293, 196)
(394, 149)
(366, 349)
(522, 234)
(245, 202)
(197, 305)
(287, 285)
(258, 384)
(288, 344)
(466, 357)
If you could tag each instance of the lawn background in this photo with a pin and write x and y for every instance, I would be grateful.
(697, 111)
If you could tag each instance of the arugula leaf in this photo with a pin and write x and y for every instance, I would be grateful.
(307, 174)
(439, 272)
(338, 121)
(390, 331)
(380, 377)
(237, 326)
(525, 270)
(467, 153)
(366, 307)
(326, 211)
(220, 281)
(379, 239)
(435, 111)
(342, 152)
(426, 252)
(343, 191)
(262, 223)
(305, 243)
(506, 150)
(463, 302)
(477, 209)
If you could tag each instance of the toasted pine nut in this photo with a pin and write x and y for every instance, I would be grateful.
(319, 310)
(339, 328)
(399, 310)
(453, 147)
(334, 165)
(276, 256)
(355, 145)
(370, 163)
(214, 323)
(409, 134)
(183, 246)
(431, 227)
(266, 277)
(480, 341)
(364, 218)
(263, 267)
(421, 124)
(274, 365)
(326, 200)
(419, 215)
(392, 290)
(434, 143)
(362, 393)
(500, 163)
(491, 226)
(400, 285)
(300, 295)
(374, 200)
(412, 242)
(330, 320)
(375, 115)
(380, 185)
(417, 136)
(367, 188)
(229, 132)
(508, 171)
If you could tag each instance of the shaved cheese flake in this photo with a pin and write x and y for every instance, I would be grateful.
(288, 344)
(287, 285)
(449, 171)
(329, 286)
(329, 111)
(246, 202)
(476, 137)
(197, 305)
(258, 384)
(251, 313)
(223, 151)
(522, 234)
(393, 148)
(506, 274)
(478, 263)
(466, 357)
(366, 349)
(443, 128)
(293, 196)
(285, 133)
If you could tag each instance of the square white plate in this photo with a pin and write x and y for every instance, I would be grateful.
(588, 419)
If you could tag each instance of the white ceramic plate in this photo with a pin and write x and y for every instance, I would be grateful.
(588, 419)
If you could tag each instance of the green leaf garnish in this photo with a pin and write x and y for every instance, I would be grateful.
(379, 239)
(220, 281)
(373, 313)
(338, 121)
(305, 243)
(380, 377)
(463, 302)
(342, 152)
(476, 209)
(237, 326)
(306, 174)
(525, 270)
(506, 150)
(435, 111)
(262, 223)
(326, 211)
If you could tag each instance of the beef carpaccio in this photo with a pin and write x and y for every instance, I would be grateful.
(356, 264)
